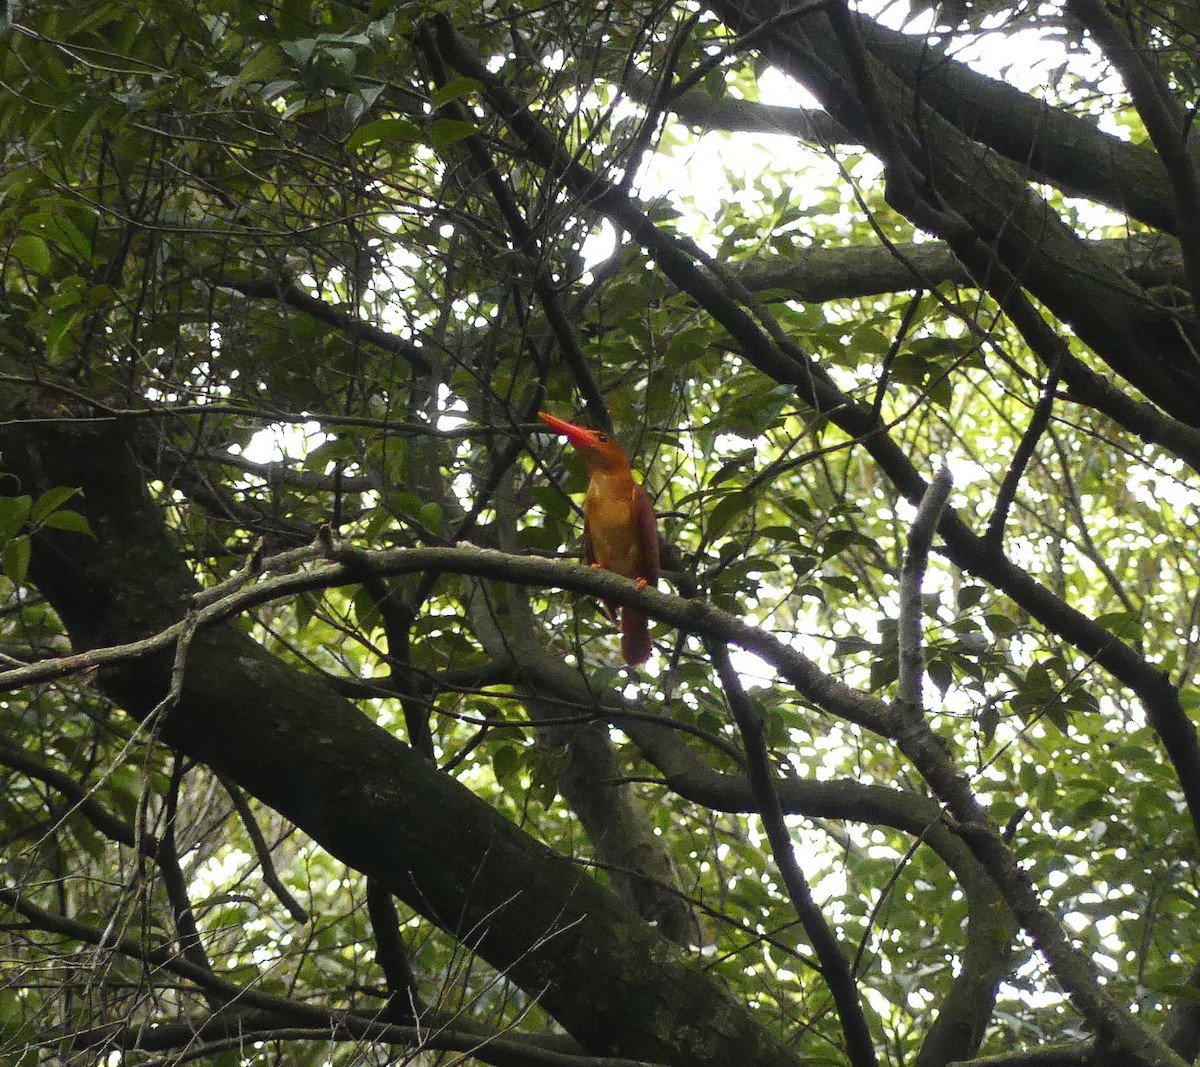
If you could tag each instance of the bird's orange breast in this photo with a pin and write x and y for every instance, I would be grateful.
(608, 510)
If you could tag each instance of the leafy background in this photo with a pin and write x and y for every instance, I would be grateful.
(307, 266)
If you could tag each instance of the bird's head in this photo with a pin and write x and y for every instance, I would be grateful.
(599, 451)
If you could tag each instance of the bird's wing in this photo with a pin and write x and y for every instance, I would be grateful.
(646, 525)
(589, 550)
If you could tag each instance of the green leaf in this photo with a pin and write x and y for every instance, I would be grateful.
(32, 251)
(72, 521)
(1121, 623)
(61, 231)
(836, 542)
(732, 467)
(445, 132)
(10, 1009)
(884, 671)
(278, 87)
(59, 333)
(726, 511)
(456, 89)
(366, 610)
(15, 560)
(299, 51)
(941, 673)
(1180, 991)
(381, 28)
(1001, 625)
(843, 583)
(430, 516)
(385, 132)
(50, 501)
(506, 766)
(969, 595)
(14, 513)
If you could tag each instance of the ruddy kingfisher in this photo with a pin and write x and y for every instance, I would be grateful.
(620, 532)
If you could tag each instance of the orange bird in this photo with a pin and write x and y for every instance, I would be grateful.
(620, 532)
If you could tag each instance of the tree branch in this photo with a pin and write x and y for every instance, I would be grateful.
(287, 292)
(912, 611)
(835, 967)
(1165, 124)
(1048, 144)
(262, 851)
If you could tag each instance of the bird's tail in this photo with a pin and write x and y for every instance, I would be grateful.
(635, 637)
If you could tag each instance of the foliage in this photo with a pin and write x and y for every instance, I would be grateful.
(283, 289)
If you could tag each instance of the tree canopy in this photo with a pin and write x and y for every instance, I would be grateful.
(315, 745)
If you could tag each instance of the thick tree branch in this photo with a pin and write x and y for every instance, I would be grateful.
(817, 273)
(1046, 143)
(362, 794)
(1017, 228)
(1165, 123)
(1079, 1054)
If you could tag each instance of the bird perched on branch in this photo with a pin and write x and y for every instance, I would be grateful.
(620, 532)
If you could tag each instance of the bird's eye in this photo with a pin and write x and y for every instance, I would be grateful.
(602, 438)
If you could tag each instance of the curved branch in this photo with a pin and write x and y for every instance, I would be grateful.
(262, 851)
(835, 967)
(404, 1004)
(218, 605)
(1007, 492)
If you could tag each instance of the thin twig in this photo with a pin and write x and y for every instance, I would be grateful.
(262, 850)
(1024, 453)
